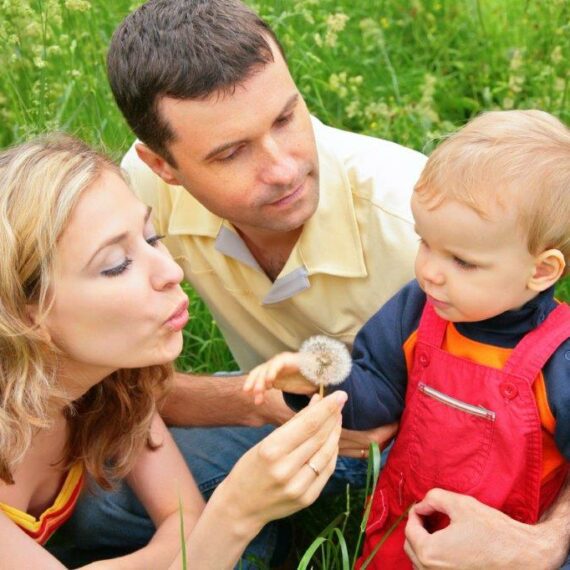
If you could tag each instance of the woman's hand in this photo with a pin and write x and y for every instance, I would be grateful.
(281, 372)
(280, 475)
(288, 469)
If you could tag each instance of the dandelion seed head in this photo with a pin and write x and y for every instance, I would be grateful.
(325, 360)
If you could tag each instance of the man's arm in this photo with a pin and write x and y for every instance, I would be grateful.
(479, 536)
(219, 400)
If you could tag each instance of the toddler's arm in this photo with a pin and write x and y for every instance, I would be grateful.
(281, 372)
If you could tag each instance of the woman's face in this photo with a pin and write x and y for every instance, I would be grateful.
(117, 300)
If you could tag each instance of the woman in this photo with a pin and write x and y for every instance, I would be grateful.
(91, 316)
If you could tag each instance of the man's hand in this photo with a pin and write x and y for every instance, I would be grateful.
(478, 537)
(356, 443)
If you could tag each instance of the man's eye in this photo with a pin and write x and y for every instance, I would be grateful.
(153, 240)
(229, 155)
(284, 119)
(119, 269)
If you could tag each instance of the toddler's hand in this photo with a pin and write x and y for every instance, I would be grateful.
(281, 372)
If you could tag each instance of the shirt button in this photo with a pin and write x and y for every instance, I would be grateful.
(423, 359)
(508, 390)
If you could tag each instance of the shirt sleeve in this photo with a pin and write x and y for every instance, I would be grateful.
(557, 381)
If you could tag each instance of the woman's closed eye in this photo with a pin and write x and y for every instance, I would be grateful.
(153, 241)
(118, 269)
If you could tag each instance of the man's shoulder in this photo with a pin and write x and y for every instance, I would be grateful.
(349, 147)
(380, 172)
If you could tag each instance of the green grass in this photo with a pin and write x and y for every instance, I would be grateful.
(406, 71)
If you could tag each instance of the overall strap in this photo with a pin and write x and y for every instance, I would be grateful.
(432, 327)
(533, 351)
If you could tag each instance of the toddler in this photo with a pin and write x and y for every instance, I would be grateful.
(472, 357)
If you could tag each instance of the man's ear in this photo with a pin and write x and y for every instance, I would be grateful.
(36, 323)
(157, 164)
(548, 268)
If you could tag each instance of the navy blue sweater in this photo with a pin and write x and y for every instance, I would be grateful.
(378, 379)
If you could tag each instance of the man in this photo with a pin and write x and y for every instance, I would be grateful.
(285, 227)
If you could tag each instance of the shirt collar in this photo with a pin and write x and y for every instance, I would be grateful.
(509, 327)
(330, 242)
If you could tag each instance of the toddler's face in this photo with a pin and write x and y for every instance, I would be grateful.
(471, 268)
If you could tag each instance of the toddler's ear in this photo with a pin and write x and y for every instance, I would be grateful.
(548, 269)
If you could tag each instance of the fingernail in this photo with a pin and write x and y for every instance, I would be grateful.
(341, 398)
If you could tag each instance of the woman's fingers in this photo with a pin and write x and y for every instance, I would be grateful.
(288, 469)
(287, 450)
(308, 423)
(307, 483)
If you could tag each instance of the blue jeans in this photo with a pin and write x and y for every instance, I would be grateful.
(109, 524)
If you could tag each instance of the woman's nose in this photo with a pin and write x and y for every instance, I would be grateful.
(165, 271)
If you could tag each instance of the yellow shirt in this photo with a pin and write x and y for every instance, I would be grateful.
(353, 254)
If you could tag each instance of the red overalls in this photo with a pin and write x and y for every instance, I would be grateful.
(467, 428)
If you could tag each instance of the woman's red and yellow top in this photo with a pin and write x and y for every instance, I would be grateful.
(42, 527)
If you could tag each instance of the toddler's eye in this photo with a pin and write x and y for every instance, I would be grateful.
(463, 264)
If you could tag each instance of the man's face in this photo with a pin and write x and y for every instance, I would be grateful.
(248, 156)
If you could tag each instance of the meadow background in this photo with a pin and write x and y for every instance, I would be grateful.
(405, 70)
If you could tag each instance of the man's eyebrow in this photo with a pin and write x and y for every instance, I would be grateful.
(291, 102)
(116, 239)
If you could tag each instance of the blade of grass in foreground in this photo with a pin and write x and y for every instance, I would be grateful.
(385, 537)
(374, 462)
(182, 535)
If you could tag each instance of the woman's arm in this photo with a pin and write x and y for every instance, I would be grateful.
(19, 551)
(162, 482)
(272, 480)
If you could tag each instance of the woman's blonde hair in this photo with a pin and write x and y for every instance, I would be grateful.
(517, 159)
(40, 183)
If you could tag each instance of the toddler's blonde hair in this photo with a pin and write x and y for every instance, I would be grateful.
(517, 159)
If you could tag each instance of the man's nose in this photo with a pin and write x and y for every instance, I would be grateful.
(279, 167)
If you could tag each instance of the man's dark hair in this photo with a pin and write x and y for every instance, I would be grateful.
(184, 49)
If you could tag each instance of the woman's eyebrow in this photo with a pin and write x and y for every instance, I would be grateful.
(117, 238)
